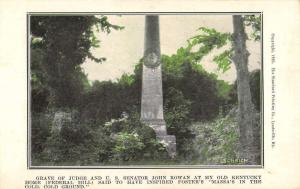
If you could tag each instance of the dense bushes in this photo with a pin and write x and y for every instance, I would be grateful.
(40, 131)
(198, 86)
(216, 141)
(83, 143)
(100, 133)
(59, 45)
(177, 110)
(254, 89)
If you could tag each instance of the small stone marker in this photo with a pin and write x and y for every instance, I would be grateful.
(60, 118)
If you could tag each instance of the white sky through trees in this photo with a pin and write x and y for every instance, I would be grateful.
(124, 48)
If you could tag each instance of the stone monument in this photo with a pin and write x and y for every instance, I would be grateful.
(152, 96)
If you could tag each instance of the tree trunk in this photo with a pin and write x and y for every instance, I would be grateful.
(246, 112)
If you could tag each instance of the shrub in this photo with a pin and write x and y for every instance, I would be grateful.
(254, 88)
(133, 140)
(217, 141)
(177, 110)
(77, 142)
(128, 146)
(40, 130)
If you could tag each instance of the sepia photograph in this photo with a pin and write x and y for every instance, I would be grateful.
(145, 89)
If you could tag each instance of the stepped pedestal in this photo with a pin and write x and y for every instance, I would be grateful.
(160, 129)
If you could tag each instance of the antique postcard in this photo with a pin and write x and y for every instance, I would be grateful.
(118, 95)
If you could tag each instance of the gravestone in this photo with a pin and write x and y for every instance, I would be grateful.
(60, 118)
(152, 95)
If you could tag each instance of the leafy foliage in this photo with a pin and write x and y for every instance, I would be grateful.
(81, 143)
(217, 141)
(177, 110)
(197, 85)
(59, 45)
(40, 131)
(128, 146)
(40, 91)
(254, 89)
(255, 22)
(205, 42)
(223, 60)
(210, 39)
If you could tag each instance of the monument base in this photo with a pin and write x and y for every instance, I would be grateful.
(169, 141)
(160, 129)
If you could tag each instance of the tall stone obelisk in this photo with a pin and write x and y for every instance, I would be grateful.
(152, 95)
